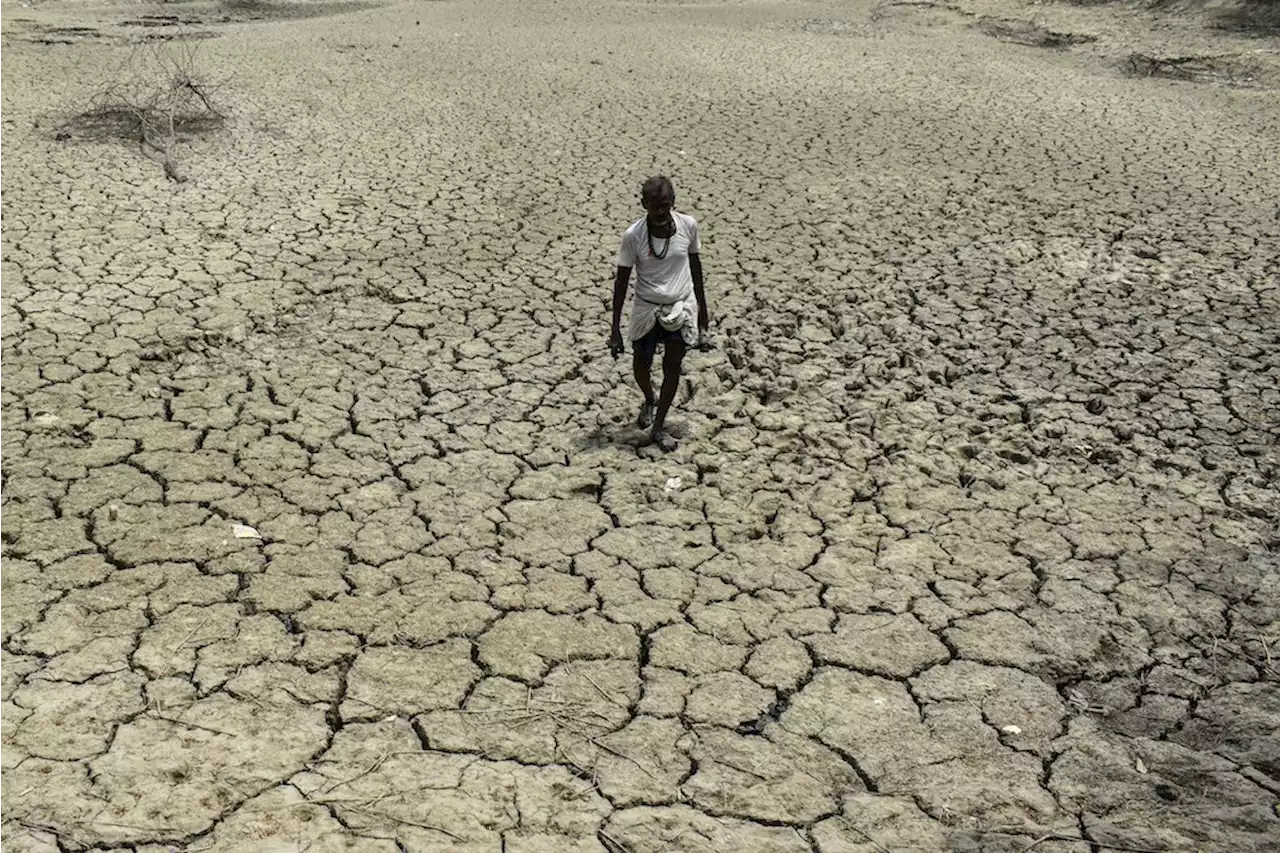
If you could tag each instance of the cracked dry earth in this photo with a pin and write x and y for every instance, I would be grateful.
(969, 545)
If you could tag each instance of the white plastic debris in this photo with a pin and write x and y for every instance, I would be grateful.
(1011, 730)
(1140, 765)
(244, 531)
(673, 484)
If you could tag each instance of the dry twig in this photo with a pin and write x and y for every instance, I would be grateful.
(406, 822)
(176, 721)
(1057, 836)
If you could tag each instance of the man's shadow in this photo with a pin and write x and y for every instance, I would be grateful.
(619, 431)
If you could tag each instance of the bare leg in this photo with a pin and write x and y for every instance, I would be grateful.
(672, 360)
(642, 366)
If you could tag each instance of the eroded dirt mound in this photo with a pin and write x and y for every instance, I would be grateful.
(1248, 17)
(1236, 70)
(1028, 33)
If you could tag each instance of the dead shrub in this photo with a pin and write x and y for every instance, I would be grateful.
(160, 98)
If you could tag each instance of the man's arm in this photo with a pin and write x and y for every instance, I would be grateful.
(620, 295)
(626, 260)
(704, 315)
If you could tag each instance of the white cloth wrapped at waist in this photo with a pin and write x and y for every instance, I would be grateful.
(681, 314)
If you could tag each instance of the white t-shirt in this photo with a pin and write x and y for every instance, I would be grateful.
(667, 279)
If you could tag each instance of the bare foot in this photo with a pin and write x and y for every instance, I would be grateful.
(664, 442)
(646, 414)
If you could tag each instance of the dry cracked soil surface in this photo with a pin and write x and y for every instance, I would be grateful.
(970, 542)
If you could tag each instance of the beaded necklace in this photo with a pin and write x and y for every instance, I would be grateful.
(666, 246)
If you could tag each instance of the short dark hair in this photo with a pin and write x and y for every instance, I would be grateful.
(657, 186)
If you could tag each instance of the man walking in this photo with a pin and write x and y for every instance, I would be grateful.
(670, 305)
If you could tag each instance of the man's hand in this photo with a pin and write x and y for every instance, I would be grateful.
(616, 347)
